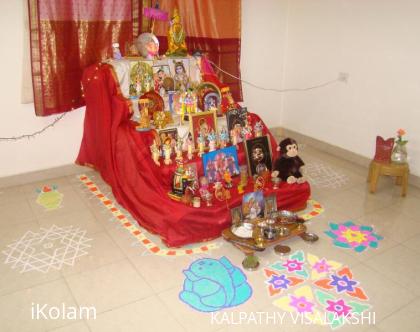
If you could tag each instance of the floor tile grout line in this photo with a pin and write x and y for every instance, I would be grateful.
(386, 276)
(93, 269)
(32, 286)
(122, 305)
(170, 312)
(399, 309)
(74, 299)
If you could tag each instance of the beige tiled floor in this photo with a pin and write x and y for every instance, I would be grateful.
(134, 290)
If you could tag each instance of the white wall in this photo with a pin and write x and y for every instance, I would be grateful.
(378, 43)
(264, 33)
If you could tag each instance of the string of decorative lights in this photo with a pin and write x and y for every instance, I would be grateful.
(28, 136)
(57, 119)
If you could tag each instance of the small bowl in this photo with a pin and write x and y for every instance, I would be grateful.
(287, 214)
(309, 237)
(248, 226)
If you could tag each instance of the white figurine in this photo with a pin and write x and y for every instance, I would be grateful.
(223, 138)
(167, 153)
(189, 146)
(211, 137)
(201, 145)
(258, 129)
(178, 150)
(155, 153)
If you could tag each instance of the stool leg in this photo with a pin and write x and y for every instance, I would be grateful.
(374, 179)
(370, 173)
(404, 184)
(398, 180)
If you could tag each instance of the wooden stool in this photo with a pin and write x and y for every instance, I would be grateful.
(400, 171)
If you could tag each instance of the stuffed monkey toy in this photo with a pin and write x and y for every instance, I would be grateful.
(289, 166)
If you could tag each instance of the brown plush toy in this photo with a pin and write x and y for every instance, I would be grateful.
(289, 166)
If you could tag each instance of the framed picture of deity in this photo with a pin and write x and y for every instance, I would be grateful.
(160, 74)
(202, 123)
(180, 70)
(270, 205)
(141, 77)
(217, 163)
(237, 216)
(168, 136)
(212, 102)
(235, 118)
(211, 91)
(253, 205)
(258, 154)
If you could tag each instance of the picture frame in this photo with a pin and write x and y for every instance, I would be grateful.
(216, 163)
(141, 77)
(236, 215)
(270, 205)
(258, 155)
(160, 73)
(212, 102)
(204, 123)
(236, 116)
(203, 89)
(168, 134)
(253, 205)
(180, 72)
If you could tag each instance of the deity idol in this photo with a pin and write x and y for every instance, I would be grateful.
(178, 149)
(167, 154)
(189, 146)
(223, 137)
(176, 36)
(201, 144)
(204, 191)
(154, 148)
(211, 137)
(258, 129)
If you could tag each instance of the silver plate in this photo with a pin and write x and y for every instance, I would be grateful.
(242, 232)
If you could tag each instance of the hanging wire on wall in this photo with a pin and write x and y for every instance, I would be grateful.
(339, 79)
(28, 136)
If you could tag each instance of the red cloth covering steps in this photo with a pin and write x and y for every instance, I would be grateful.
(112, 146)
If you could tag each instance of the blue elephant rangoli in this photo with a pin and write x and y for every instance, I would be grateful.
(212, 285)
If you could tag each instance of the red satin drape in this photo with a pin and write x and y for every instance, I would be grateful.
(211, 26)
(121, 154)
(68, 36)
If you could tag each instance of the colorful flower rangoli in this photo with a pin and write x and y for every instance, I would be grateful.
(321, 290)
(279, 282)
(342, 282)
(295, 264)
(351, 236)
